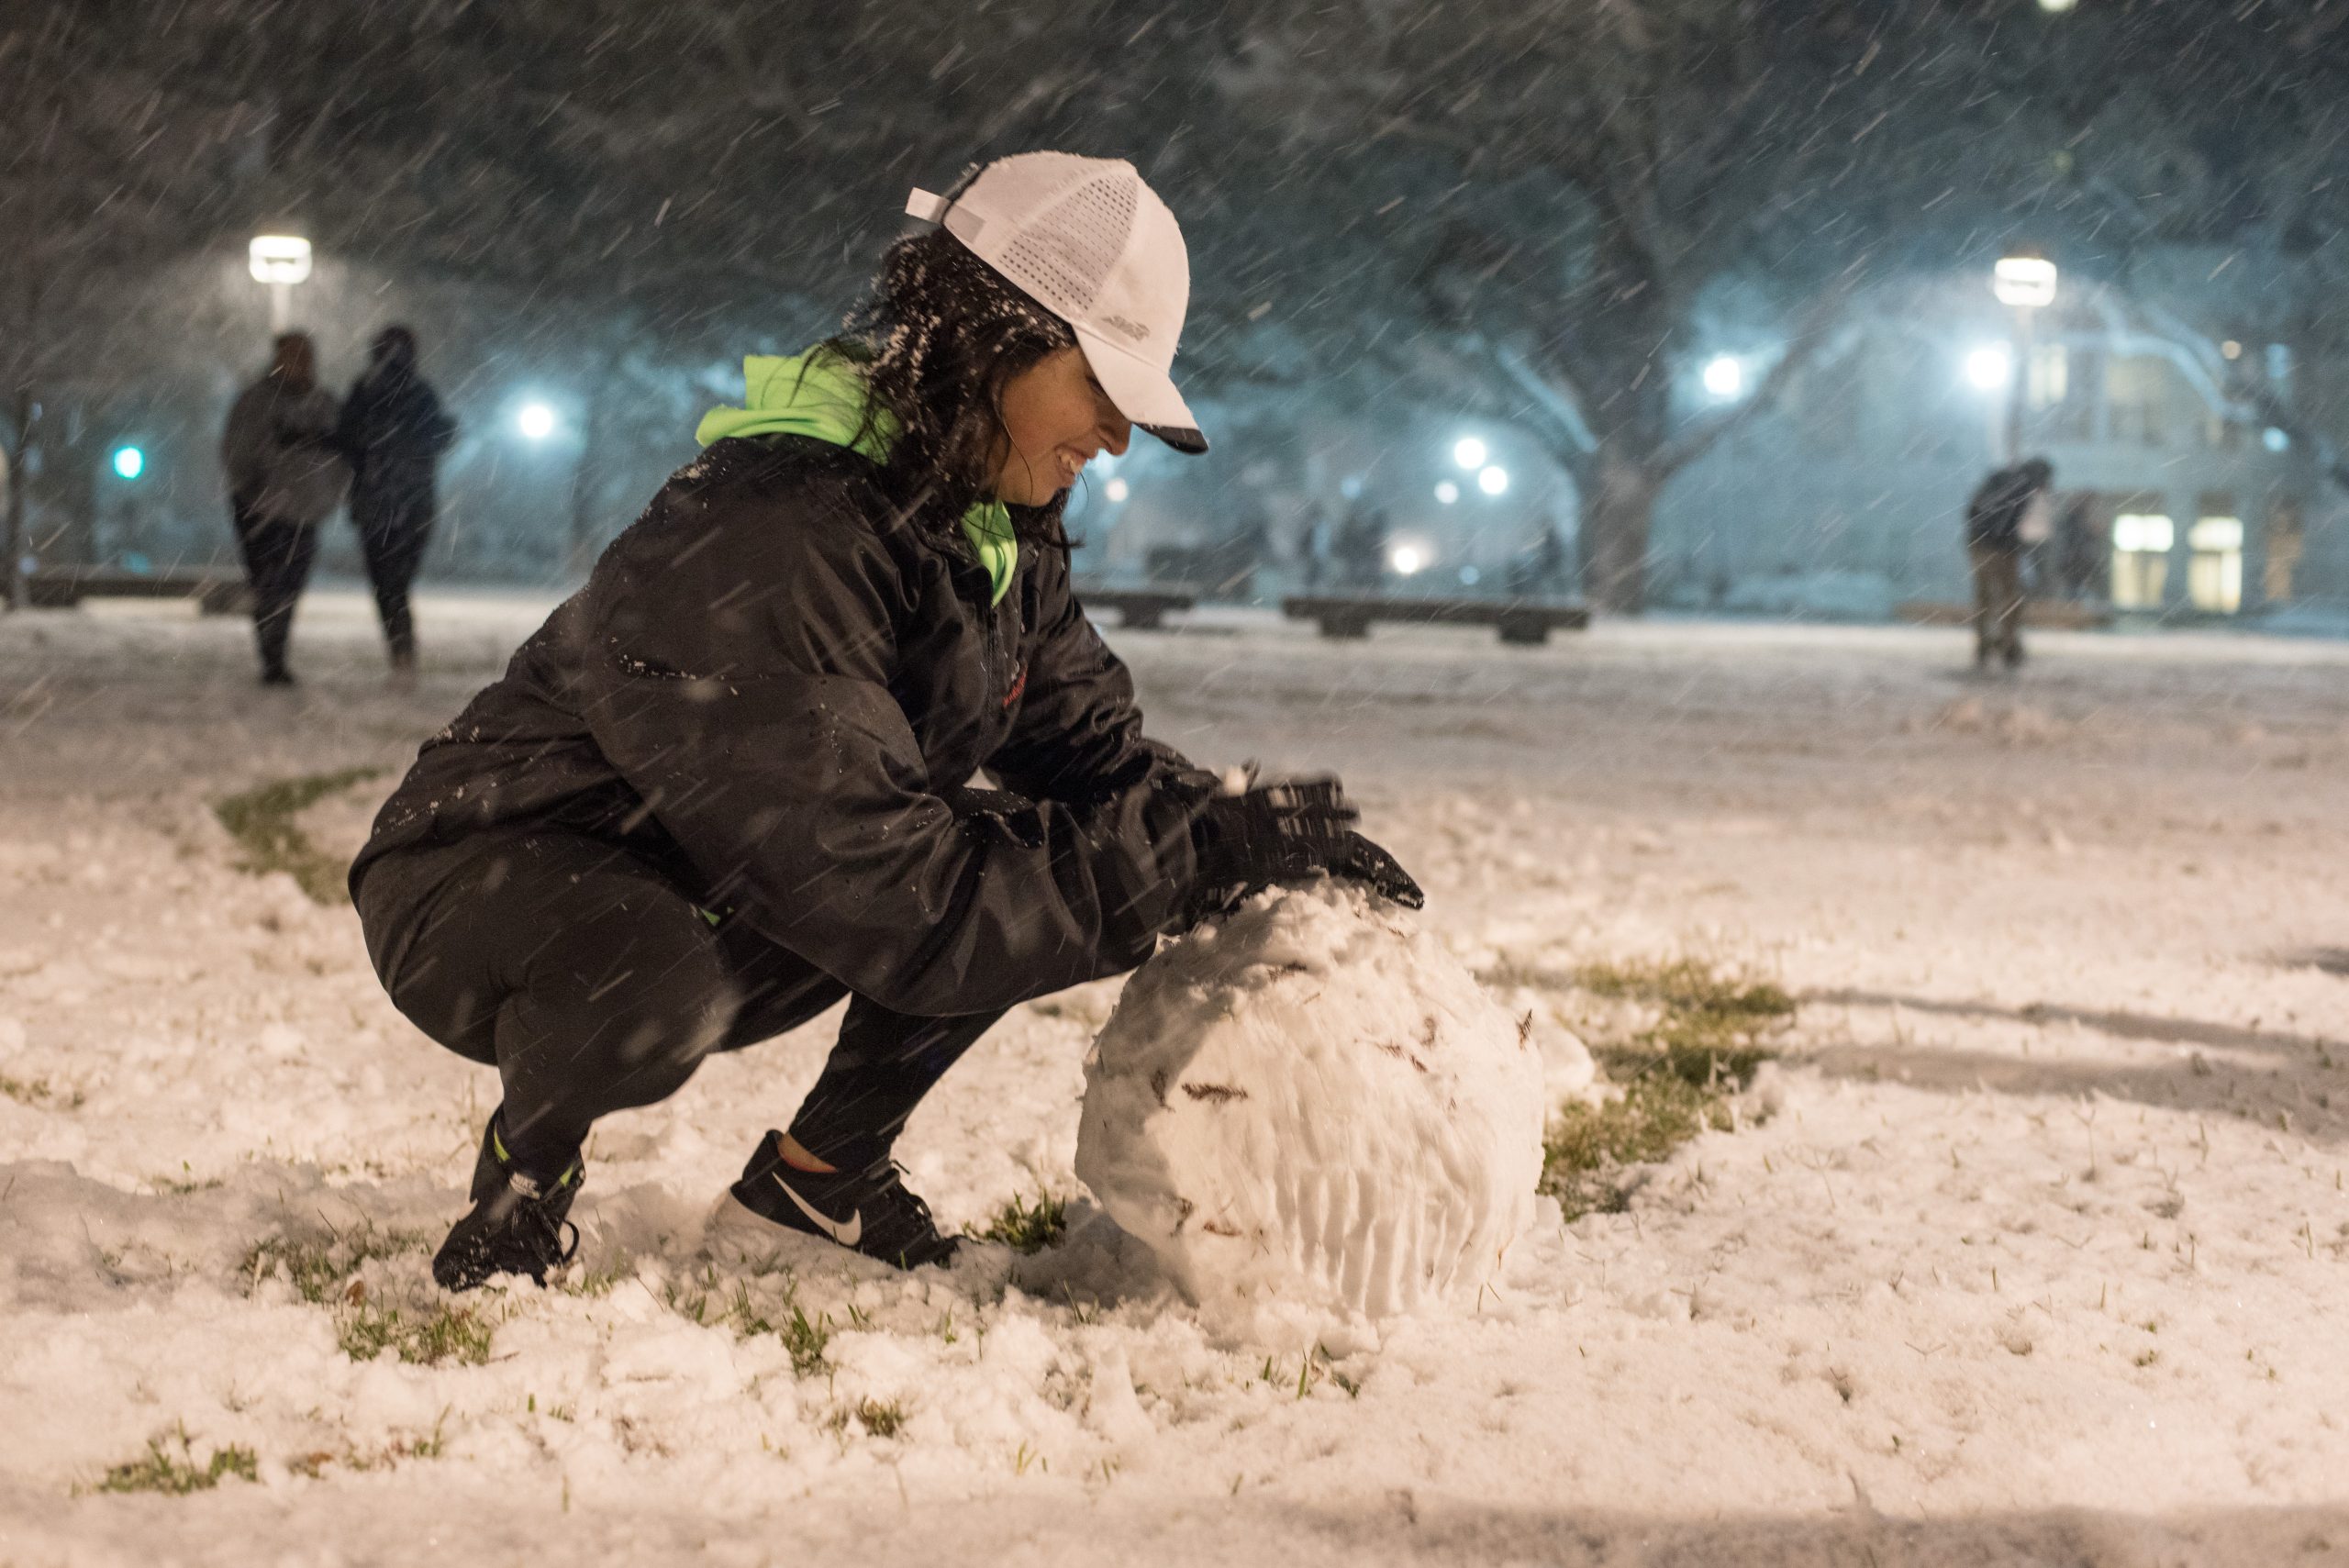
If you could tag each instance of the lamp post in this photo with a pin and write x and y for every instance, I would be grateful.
(281, 260)
(2025, 282)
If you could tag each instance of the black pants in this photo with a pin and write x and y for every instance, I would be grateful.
(592, 984)
(1998, 596)
(393, 537)
(277, 559)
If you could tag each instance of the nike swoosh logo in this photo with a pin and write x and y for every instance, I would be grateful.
(848, 1233)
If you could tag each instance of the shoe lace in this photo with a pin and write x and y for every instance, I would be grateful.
(910, 1199)
(545, 1235)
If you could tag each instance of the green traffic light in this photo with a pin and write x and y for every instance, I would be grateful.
(129, 461)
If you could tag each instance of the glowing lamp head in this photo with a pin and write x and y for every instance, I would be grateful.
(1446, 492)
(1493, 481)
(130, 463)
(1117, 489)
(2025, 280)
(535, 420)
(1724, 376)
(278, 258)
(1408, 560)
(1468, 452)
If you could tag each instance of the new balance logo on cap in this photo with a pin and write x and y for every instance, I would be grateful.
(1086, 238)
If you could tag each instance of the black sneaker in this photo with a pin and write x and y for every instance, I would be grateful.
(866, 1211)
(517, 1226)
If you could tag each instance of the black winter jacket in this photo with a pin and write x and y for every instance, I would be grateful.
(393, 432)
(1994, 515)
(775, 684)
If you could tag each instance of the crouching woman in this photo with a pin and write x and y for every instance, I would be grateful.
(727, 782)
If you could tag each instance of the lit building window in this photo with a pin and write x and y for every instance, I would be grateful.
(2141, 546)
(2215, 570)
(2051, 378)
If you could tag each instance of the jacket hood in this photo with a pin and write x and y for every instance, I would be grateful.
(821, 395)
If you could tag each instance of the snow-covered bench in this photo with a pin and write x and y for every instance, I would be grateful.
(1143, 609)
(1527, 622)
(62, 587)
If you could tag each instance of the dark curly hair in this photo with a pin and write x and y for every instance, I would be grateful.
(937, 337)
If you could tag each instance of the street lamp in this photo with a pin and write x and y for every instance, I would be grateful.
(130, 463)
(1724, 376)
(2025, 282)
(281, 260)
(1468, 452)
(1118, 489)
(1493, 481)
(1446, 492)
(1989, 367)
(2055, 6)
(535, 420)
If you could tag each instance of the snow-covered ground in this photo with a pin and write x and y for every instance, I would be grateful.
(2042, 1254)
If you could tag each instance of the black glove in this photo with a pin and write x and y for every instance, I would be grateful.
(1281, 832)
(1358, 859)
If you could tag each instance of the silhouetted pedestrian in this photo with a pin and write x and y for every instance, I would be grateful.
(1361, 550)
(393, 432)
(285, 477)
(1994, 538)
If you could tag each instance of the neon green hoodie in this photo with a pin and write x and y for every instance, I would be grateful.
(820, 395)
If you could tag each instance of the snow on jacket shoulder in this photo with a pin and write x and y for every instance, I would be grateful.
(778, 686)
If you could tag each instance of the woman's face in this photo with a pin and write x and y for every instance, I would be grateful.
(1056, 420)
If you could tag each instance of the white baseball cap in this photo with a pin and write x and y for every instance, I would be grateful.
(1088, 241)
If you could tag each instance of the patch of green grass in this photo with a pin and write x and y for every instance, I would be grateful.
(880, 1419)
(263, 822)
(35, 1092)
(442, 1332)
(175, 1475)
(1711, 1023)
(1029, 1227)
(319, 1272)
(1678, 1076)
(326, 1273)
(806, 1340)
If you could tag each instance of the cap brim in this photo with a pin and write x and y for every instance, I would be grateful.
(1144, 394)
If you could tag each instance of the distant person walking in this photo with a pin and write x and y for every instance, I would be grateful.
(1360, 549)
(285, 477)
(2079, 550)
(393, 432)
(1995, 539)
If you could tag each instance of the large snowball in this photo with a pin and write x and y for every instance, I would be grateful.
(1313, 1101)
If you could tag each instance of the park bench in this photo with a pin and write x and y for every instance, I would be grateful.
(62, 587)
(1142, 609)
(1527, 622)
(2044, 615)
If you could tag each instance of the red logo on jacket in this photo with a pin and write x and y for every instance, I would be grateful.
(1019, 685)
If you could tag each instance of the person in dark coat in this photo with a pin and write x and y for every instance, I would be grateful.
(1360, 549)
(285, 477)
(731, 782)
(1994, 541)
(393, 432)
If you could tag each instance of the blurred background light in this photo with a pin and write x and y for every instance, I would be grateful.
(1989, 367)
